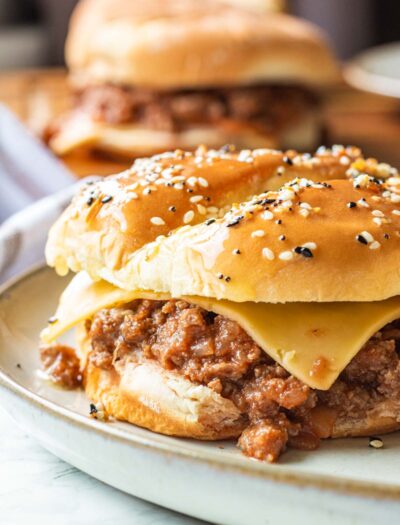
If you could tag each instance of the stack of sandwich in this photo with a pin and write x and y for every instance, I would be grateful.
(163, 74)
(205, 312)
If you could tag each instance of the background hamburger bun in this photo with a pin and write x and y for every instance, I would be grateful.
(109, 220)
(168, 44)
(79, 130)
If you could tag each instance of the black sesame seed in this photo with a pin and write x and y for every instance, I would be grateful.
(172, 208)
(92, 409)
(282, 238)
(305, 252)
(189, 190)
(237, 251)
(90, 200)
(386, 235)
(361, 239)
(106, 199)
(351, 204)
(53, 319)
(268, 201)
(235, 221)
(220, 276)
(279, 221)
(209, 221)
(227, 278)
(288, 160)
(19, 366)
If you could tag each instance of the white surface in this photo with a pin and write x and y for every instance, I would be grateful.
(38, 488)
(376, 70)
(208, 480)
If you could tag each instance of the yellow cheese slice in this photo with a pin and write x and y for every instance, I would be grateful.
(313, 341)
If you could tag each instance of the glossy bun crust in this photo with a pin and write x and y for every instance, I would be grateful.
(337, 240)
(167, 44)
(109, 220)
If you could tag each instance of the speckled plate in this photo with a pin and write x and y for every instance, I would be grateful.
(376, 70)
(343, 482)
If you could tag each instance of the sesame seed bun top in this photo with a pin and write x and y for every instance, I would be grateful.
(321, 242)
(325, 229)
(167, 44)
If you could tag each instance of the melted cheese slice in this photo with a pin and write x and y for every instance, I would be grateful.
(313, 341)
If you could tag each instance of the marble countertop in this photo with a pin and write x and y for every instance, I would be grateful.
(38, 488)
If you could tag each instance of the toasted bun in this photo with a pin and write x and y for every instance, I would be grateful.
(183, 43)
(79, 130)
(100, 237)
(329, 252)
(163, 401)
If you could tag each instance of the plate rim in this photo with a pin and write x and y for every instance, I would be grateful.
(357, 76)
(247, 466)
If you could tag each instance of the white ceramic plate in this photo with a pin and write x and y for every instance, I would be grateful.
(343, 482)
(376, 70)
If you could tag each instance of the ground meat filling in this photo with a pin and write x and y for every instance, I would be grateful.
(61, 365)
(265, 107)
(213, 350)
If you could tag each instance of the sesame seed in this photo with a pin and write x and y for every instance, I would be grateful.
(188, 217)
(178, 186)
(374, 245)
(279, 221)
(235, 221)
(305, 252)
(386, 236)
(375, 442)
(377, 213)
(267, 215)
(396, 212)
(158, 221)
(196, 198)
(192, 181)
(361, 239)
(236, 251)
(304, 212)
(201, 209)
(351, 204)
(147, 191)
(220, 275)
(377, 221)
(288, 160)
(227, 278)
(90, 200)
(268, 254)
(172, 208)
(363, 202)
(92, 409)
(209, 221)
(106, 199)
(310, 245)
(258, 233)
(53, 319)
(286, 256)
(203, 182)
(282, 237)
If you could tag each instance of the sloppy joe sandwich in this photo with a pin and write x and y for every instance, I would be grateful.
(157, 75)
(276, 323)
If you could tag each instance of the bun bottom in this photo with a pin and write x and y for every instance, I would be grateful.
(78, 131)
(162, 401)
(151, 397)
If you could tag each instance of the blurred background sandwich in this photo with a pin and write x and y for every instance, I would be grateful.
(158, 75)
